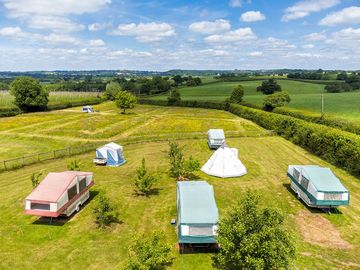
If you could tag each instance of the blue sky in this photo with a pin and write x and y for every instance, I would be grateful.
(162, 35)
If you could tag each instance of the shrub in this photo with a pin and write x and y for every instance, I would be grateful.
(269, 87)
(125, 100)
(149, 253)
(276, 100)
(144, 181)
(35, 179)
(112, 89)
(105, 212)
(174, 97)
(251, 237)
(179, 167)
(74, 165)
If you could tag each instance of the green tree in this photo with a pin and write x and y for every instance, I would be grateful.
(253, 237)
(149, 253)
(105, 212)
(177, 80)
(276, 100)
(29, 94)
(74, 165)
(269, 87)
(174, 97)
(125, 100)
(179, 166)
(237, 94)
(35, 179)
(112, 89)
(144, 181)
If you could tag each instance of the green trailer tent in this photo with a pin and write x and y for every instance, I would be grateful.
(317, 186)
(197, 213)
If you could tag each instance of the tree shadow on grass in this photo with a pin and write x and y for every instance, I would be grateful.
(62, 220)
(153, 191)
(188, 249)
(313, 210)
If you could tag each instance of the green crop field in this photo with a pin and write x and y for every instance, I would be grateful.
(304, 96)
(323, 241)
(6, 100)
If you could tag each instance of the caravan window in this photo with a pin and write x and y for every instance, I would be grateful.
(304, 182)
(72, 192)
(200, 231)
(40, 206)
(296, 174)
(82, 184)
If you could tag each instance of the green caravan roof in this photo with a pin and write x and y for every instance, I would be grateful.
(322, 178)
(197, 203)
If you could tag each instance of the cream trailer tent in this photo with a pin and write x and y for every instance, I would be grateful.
(317, 186)
(59, 194)
(216, 138)
(88, 109)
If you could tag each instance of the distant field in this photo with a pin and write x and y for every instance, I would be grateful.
(323, 241)
(304, 96)
(6, 100)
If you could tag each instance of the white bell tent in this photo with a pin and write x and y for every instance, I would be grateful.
(224, 163)
(113, 153)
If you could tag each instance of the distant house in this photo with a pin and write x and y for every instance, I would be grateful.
(60, 193)
(317, 186)
(197, 213)
(216, 138)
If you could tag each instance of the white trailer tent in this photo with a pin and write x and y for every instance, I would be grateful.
(59, 194)
(317, 186)
(112, 153)
(88, 109)
(224, 163)
(216, 138)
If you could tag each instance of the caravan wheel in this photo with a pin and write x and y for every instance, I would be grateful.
(78, 207)
(298, 195)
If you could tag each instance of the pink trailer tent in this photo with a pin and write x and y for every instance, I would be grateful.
(60, 193)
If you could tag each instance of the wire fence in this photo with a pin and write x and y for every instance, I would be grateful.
(19, 162)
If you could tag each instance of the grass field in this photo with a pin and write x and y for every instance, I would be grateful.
(38, 132)
(6, 100)
(323, 241)
(304, 96)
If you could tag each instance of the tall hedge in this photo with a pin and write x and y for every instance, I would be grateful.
(335, 146)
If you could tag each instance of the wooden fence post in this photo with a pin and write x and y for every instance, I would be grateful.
(5, 165)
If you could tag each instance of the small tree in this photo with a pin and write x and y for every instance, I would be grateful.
(105, 212)
(237, 94)
(179, 166)
(149, 253)
(35, 179)
(269, 87)
(144, 181)
(125, 100)
(29, 94)
(251, 237)
(74, 165)
(174, 97)
(276, 100)
(112, 89)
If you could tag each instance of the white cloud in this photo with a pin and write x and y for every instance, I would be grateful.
(346, 38)
(212, 52)
(22, 8)
(304, 8)
(13, 32)
(128, 52)
(349, 15)
(45, 14)
(308, 46)
(207, 28)
(55, 23)
(240, 34)
(252, 16)
(315, 36)
(96, 43)
(98, 26)
(61, 39)
(256, 54)
(145, 32)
